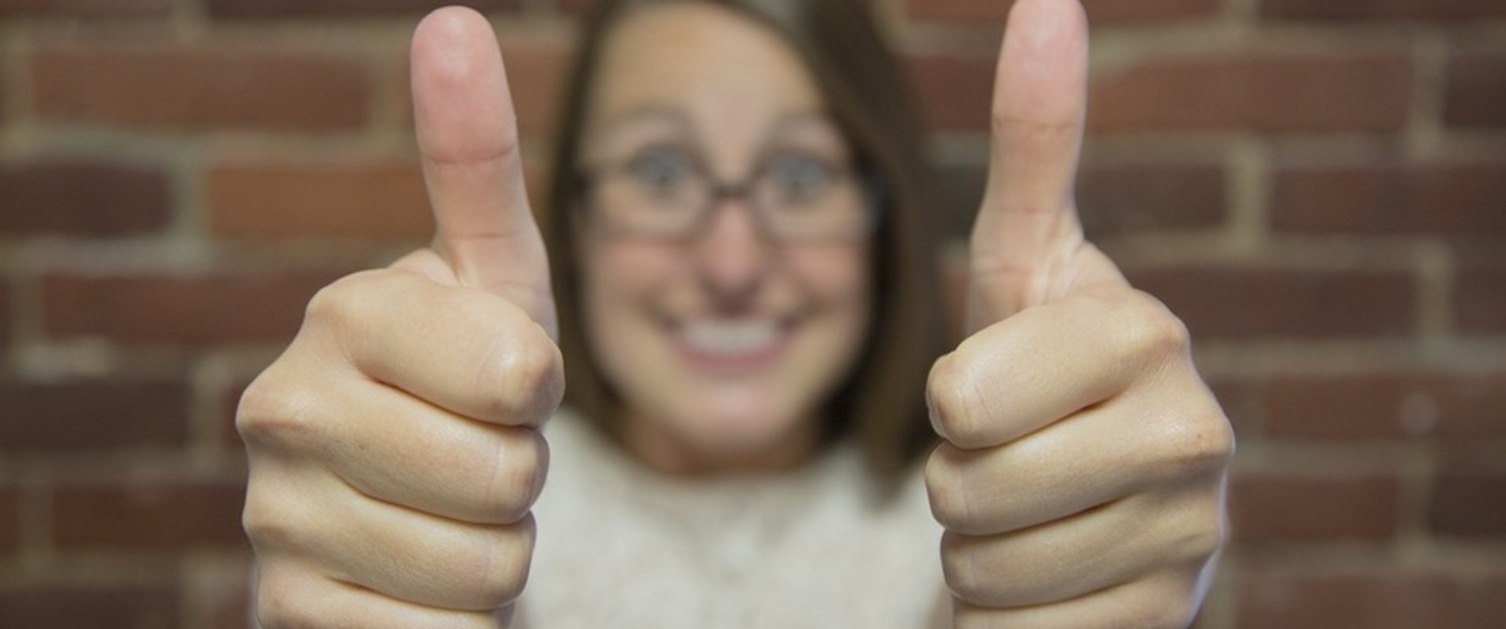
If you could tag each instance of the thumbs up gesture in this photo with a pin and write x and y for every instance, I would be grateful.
(1081, 478)
(393, 447)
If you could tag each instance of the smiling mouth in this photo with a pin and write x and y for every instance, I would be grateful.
(732, 344)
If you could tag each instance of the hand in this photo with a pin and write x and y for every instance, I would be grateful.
(1081, 479)
(393, 447)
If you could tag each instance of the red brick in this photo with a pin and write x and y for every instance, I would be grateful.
(1475, 92)
(93, 414)
(1111, 199)
(1274, 93)
(1462, 407)
(5, 313)
(89, 606)
(1266, 509)
(159, 515)
(10, 520)
(1242, 403)
(1370, 9)
(194, 310)
(536, 73)
(85, 8)
(82, 198)
(955, 92)
(1098, 10)
(376, 201)
(229, 602)
(1227, 302)
(1369, 601)
(1466, 504)
(339, 8)
(1392, 198)
(195, 89)
(1480, 301)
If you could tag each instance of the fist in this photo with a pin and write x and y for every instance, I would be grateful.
(394, 446)
(1081, 476)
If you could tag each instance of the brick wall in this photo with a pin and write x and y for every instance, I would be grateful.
(1318, 186)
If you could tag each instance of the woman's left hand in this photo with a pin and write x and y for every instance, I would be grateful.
(1081, 482)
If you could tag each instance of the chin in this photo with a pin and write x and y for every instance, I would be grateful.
(749, 439)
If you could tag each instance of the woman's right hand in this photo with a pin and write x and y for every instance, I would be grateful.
(394, 447)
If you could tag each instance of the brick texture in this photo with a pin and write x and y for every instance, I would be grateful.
(85, 8)
(1265, 509)
(1248, 303)
(193, 89)
(93, 414)
(1463, 407)
(339, 8)
(1469, 504)
(1479, 303)
(1463, 199)
(10, 524)
(1098, 10)
(5, 316)
(192, 310)
(1275, 93)
(1370, 601)
(380, 201)
(1475, 95)
(82, 198)
(89, 606)
(1389, 9)
(148, 515)
(955, 92)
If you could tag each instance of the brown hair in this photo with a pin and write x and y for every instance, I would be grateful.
(881, 404)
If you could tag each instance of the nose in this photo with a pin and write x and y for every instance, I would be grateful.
(733, 257)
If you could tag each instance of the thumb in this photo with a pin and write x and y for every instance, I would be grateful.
(468, 139)
(1027, 231)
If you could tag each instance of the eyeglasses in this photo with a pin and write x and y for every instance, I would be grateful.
(666, 193)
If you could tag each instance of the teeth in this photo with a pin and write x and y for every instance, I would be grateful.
(730, 337)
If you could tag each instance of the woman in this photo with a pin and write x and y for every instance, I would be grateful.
(733, 241)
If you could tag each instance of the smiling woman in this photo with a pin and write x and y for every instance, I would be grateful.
(738, 257)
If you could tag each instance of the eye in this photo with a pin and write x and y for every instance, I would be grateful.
(662, 169)
(799, 178)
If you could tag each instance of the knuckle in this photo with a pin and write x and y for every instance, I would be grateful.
(1201, 446)
(282, 602)
(279, 414)
(526, 370)
(343, 301)
(943, 487)
(507, 566)
(959, 567)
(522, 465)
(1151, 330)
(955, 408)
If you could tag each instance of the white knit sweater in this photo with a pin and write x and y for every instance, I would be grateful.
(621, 547)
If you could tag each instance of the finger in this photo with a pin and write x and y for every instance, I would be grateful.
(292, 595)
(1027, 224)
(1167, 599)
(470, 352)
(1074, 556)
(394, 551)
(1044, 364)
(1147, 438)
(468, 137)
(427, 459)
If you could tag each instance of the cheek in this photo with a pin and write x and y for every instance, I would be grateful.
(838, 276)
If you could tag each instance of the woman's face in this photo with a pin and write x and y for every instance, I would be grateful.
(723, 344)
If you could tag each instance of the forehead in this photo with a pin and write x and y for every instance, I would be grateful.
(730, 77)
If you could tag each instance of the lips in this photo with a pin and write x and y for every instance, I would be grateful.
(732, 344)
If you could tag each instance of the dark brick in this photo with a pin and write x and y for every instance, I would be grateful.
(1230, 302)
(341, 8)
(1475, 92)
(1098, 10)
(1438, 198)
(223, 307)
(1463, 407)
(10, 520)
(93, 414)
(82, 198)
(1468, 504)
(89, 606)
(378, 201)
(1380, 9)
(1369, 600)
(166, 514)
(85, 8)
(1480, 300)
(1270, 92)
(1266, 509)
